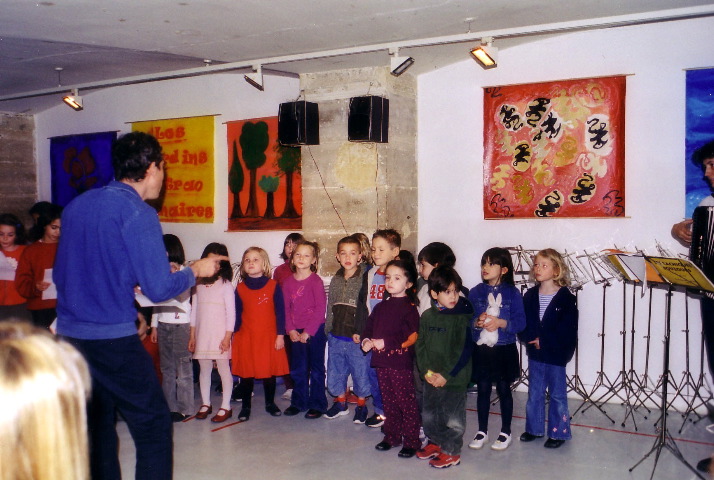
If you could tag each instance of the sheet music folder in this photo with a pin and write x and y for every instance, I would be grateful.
(678, 271)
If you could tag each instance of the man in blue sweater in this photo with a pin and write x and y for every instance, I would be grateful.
(112, 242)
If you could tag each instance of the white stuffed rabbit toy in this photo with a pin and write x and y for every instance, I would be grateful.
(494, 308)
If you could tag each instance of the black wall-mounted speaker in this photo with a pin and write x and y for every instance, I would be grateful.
(298, 123)
(368, 120)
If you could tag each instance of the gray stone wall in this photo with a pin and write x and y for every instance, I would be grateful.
(18, 176)
(353, 187)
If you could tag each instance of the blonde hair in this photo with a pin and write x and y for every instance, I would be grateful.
(44, 386)
(562, 276)
(263, 256)
(315, 252)
(365, 247)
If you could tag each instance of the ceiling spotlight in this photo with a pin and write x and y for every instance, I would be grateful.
(486, 54)
(399, 64)
(73, 100)
(255, 78)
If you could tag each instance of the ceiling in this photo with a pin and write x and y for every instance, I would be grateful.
(95, 41)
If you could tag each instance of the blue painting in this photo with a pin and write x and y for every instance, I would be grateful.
(79, 163)
(700, 130)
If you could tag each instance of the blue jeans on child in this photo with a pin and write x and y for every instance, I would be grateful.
(308, 372)
(176, 367)
(552, 377)
(345, 357)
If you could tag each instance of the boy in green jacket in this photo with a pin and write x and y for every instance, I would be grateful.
(443, 352)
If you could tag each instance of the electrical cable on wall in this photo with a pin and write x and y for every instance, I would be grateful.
(326, 192)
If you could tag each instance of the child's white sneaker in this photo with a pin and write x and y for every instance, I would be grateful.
(502, 442)
(478, 441)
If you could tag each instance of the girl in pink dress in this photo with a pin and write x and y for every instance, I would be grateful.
(213, 317)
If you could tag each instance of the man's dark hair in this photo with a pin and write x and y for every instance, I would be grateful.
(702, 153)
(133, 153)
(441, 278)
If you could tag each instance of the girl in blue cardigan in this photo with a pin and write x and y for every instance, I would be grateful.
(551, 335)
(496, 364)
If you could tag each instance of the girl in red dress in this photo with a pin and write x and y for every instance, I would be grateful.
(258, 344)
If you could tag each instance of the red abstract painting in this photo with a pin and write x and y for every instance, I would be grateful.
(555, 149)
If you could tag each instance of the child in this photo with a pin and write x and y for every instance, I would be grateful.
(171, 328)
(385, 248)
(364, 247)
(213, 318)
(12, 244)
(259, 341)
(280, 273)
(443, 352)
(305, 302)
(551, 335)
(283, 270)
(436, 254)
(390, 334)
(498, 363)
(345, 356)
(33, 277)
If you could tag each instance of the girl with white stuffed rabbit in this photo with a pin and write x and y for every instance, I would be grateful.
(499, 316)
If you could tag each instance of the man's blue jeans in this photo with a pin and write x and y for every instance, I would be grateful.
(124, 380)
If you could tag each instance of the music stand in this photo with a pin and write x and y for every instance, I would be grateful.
(674, 272)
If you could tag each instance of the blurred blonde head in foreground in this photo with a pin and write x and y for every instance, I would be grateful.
(44, 386)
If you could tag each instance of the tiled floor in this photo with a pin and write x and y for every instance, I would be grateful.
(296, 448)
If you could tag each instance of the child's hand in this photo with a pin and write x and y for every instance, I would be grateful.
(304, 337)
(294, 336)
(154, 335)
(192, 344)
(279, 342)
(480, 320)
(42, 286)
(378, 343)
(367, 345)
(535, 343)
(493, 323)
(355, 338)
(225, 345)
(436, 380)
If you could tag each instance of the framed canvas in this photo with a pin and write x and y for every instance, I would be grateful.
(555, 149)
(264, 180)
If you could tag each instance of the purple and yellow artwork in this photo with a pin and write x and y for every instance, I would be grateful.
(79, 163)
(555, 149)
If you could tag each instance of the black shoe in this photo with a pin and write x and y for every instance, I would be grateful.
(383, 446)
(291, 411)
(553, 443)
(407, 452)
(244, 414)
(704, 465)
(312, 414)
(375, 421)
(178, 417)
(273, 409)
(528, 437)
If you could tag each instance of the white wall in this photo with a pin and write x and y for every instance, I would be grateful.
(450, 158)
(224, 94)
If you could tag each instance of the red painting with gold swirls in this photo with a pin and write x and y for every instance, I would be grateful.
(555, 149)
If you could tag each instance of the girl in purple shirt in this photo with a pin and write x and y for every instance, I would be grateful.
(305, 304)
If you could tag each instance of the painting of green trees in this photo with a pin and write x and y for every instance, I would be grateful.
(264, 178)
